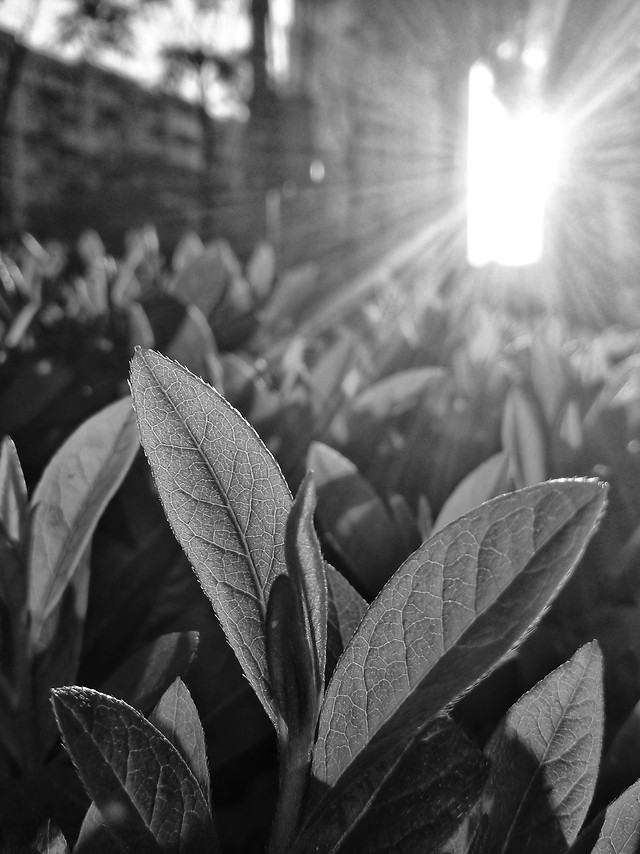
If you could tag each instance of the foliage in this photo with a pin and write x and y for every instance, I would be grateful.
(405, 418)
(370, 760)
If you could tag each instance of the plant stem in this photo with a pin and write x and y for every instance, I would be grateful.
(294, 773)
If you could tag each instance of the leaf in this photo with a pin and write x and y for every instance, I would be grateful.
(177, 719)
(418, 807)
(70, 498)
(346, 608)
(620, 831)
(146, 794)
(49, 840)
(224, 496)
(306, 569)
(545, 756)
(261, 269)
(523, 439)
(487, 481)
(328, 373)
(61, 645)
(14, 501)
(398, 393)
(352, 513)
(144, 677)
(95, 837)
(449, 614)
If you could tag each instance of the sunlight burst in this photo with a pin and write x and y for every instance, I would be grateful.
(512, 163)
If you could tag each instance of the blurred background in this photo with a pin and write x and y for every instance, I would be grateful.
(338, 130)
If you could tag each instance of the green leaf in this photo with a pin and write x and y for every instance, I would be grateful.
(354, 515)
(449, 614)
(14, 501)
(545, 756)
(146, 793)
(68, 501)
(177, 719)
(486, 481)
(144, 677)
(224, 496)
(419, 806)
(523, 438)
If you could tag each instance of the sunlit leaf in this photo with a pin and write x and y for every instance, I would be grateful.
(144, 790)
(223, 495)
(620, 831)
(346, 608)
(448, 615)
(177, 719)
(545, 757)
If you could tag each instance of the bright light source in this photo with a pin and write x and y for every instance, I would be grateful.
(512, 161)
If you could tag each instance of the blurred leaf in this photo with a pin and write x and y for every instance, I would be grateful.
(224, 496)
(14, 500)
(549, 374)
(355, 517)
(194, 346)
(399, 393)
(146, 794)
(545, 757)
(144, 677)
(523, 439)
(487, 481)
(49, 840)
(19, 327)
(70, 498)
(346, 608)
(328, 373)
(448, 615)
(415, 810)
(60, 645)
(261, 270)
(189, 248)
(177, 719)
(204, 281)
(140, 329)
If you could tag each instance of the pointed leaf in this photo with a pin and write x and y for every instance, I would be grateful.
(70, 498)
(399, 392)
(49, 840)
(13, 493)
(545, 757)
(144, 677)
(448, 615)
(523, 438)
(418, 808)
(346, 608)
(487, 481)
(177, 719)
(354, 515)
(94, 836)
(224, 496)
(147, 795)
(306, 569)
(620, 832)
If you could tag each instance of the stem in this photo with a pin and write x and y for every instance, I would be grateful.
(294, 774)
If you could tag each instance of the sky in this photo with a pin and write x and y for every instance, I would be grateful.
(176, 19)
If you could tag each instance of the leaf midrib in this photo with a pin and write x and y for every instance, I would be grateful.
(232, 514)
